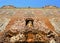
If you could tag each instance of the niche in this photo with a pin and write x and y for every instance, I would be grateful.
(29, 20)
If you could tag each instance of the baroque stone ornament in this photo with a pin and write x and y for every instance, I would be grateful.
(20, 25)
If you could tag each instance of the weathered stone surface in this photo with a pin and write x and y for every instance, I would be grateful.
(34, 24)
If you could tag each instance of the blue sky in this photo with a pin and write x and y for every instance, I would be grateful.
(31, 3)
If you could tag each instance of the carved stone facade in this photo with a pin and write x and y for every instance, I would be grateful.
(29, 25)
